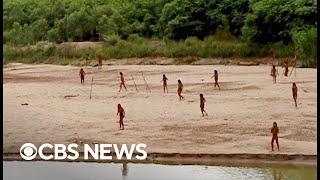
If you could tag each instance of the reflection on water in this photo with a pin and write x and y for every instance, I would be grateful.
(37, 170)
(124, 169)
(276, 174)
(293, 173)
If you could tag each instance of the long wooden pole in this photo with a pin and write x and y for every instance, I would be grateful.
(295, 64)
(91, 87)
(145, 81)
(134, 83)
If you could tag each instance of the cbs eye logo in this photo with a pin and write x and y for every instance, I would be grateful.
(28, 151)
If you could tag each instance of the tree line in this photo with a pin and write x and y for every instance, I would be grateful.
(262, 21)
(251, 21)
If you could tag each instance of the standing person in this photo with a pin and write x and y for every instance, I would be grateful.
(286, 68)
(180, 88)
(274, 131)
(274, 73)
(81, 74)
(215, 75)
(202, 101)
(295, 93)
(165, 85)
(122, 82)
(121, 114)
(99, 61)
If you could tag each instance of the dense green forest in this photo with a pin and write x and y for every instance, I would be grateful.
(203, 28)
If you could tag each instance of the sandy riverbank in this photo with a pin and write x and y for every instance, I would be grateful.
(240, 114)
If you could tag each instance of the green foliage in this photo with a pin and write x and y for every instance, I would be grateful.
(273, 20)
(235, 12)
(135, 38)
(183, 18)
(29, 54)
(281, 50)
(111, 40)
(259, 21)
(202, 28)
(124, 49)
(211, 46)
(306, 46)
(49, 50)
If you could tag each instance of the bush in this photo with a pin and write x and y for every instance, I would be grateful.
(135, 38)
(111, 40)
(125, 49)
(282, 50)
(66, 51)
(175, 49)
(306, 46)
(26, 54)
(211, 47)
(222, 45)
(49, 50)
(272, 20)
(180, 19)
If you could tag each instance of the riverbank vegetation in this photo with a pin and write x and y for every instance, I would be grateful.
(38, 31)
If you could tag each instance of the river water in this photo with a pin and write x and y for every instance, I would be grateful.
(45, 170)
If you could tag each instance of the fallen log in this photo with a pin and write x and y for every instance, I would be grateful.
(248, 63)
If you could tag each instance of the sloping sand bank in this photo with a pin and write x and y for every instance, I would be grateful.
(57, 108)
(247, 160)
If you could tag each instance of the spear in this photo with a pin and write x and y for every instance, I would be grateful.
(134, 83)
(295, 64)
(145, 81)
(91, 87)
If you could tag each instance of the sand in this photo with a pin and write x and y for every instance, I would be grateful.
(59, 110)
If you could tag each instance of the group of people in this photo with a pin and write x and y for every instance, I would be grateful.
(274, 73)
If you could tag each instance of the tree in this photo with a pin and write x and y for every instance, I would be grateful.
(183, 18)
(273, 20)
